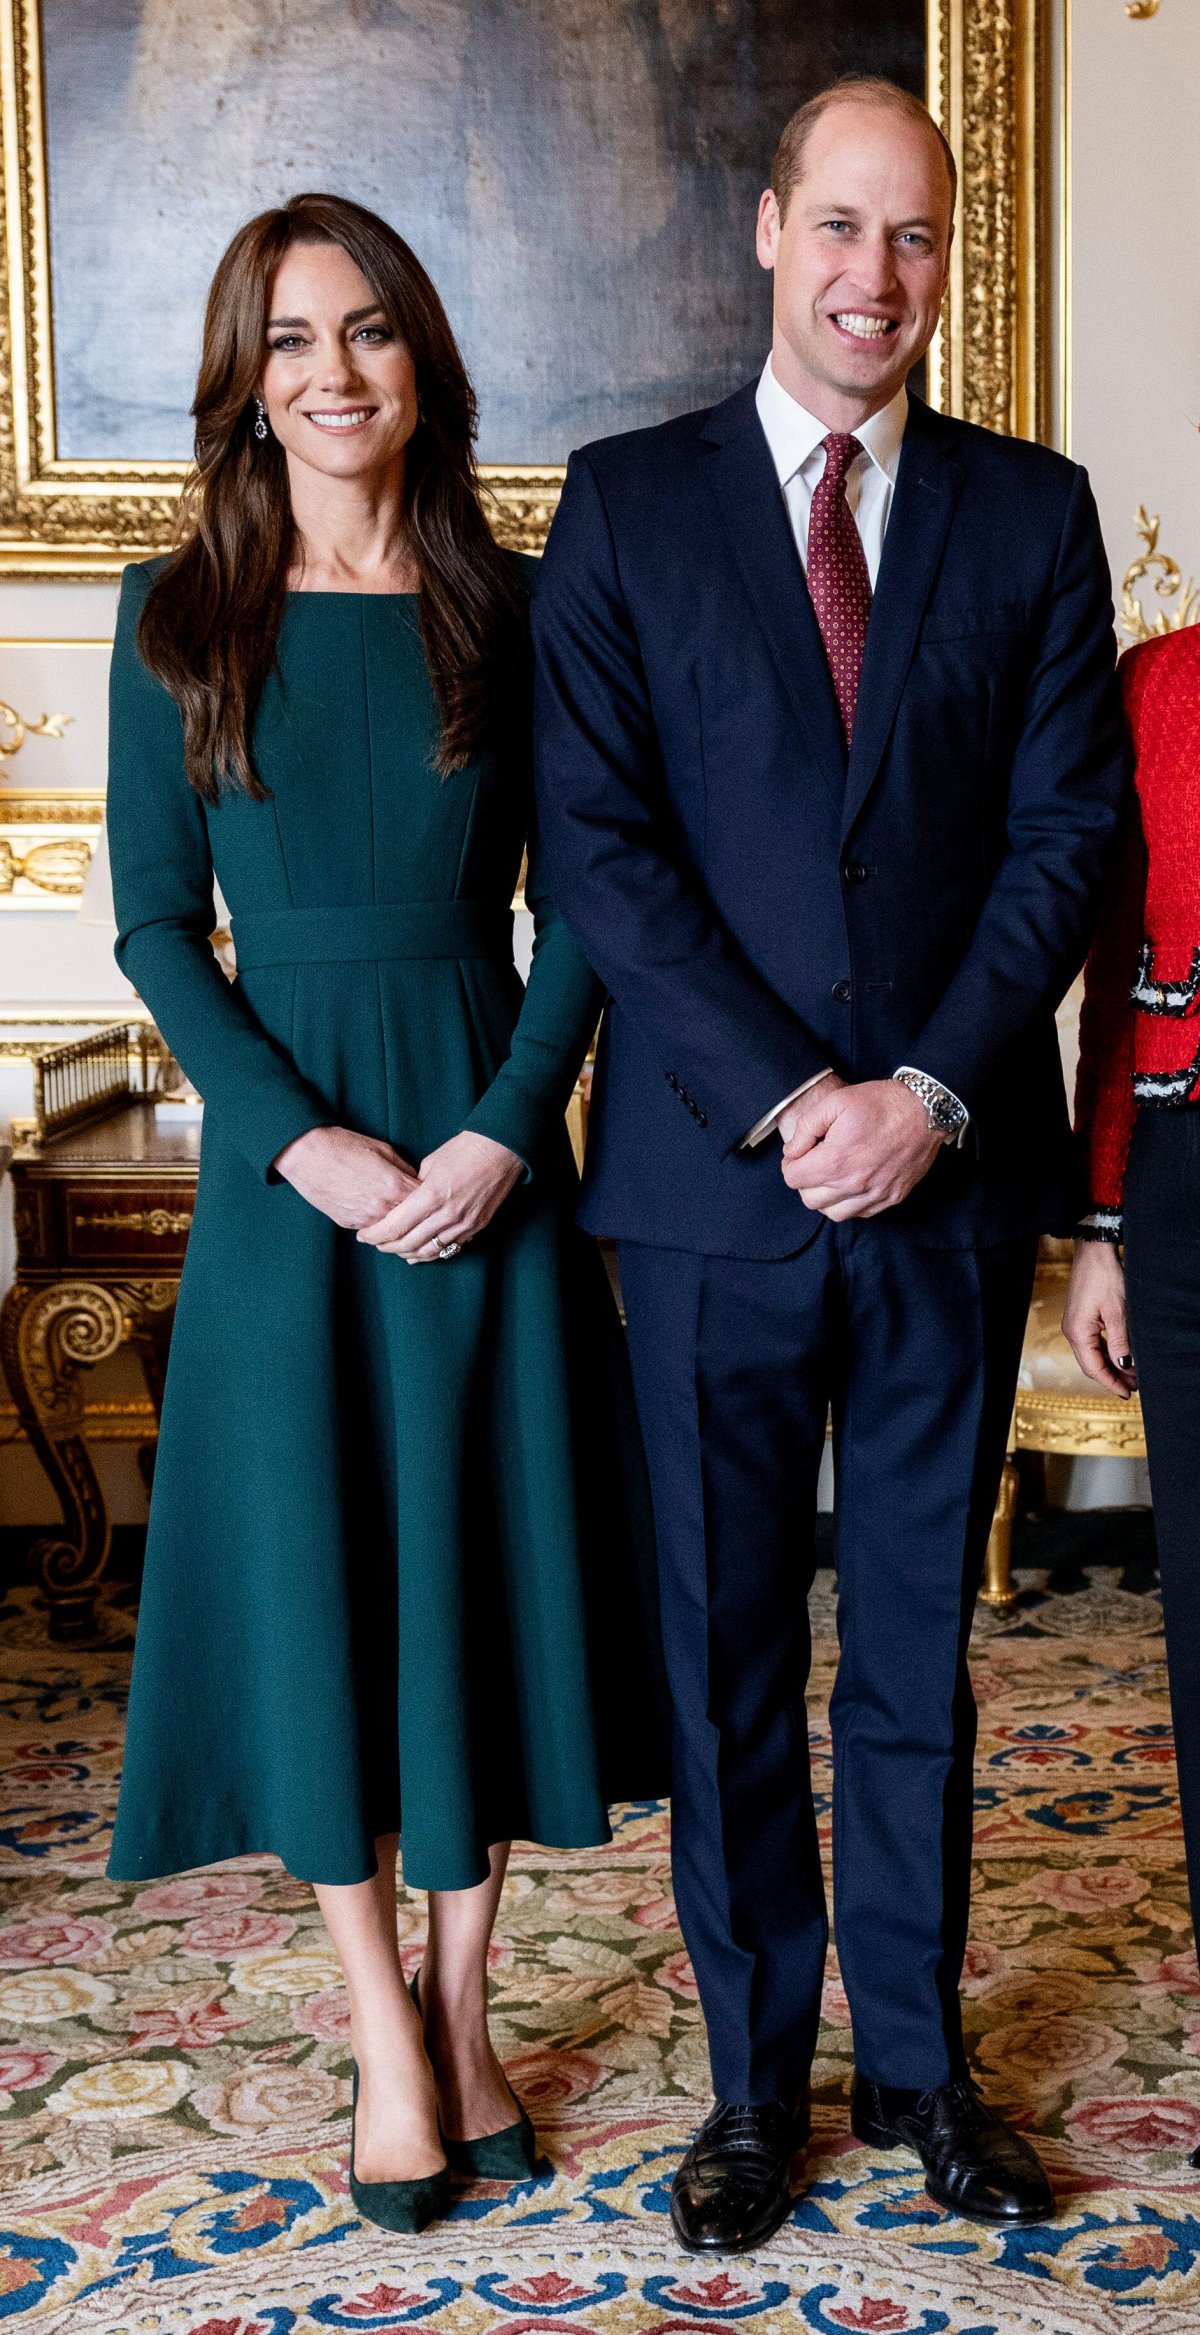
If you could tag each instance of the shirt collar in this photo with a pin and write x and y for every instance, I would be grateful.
(793, 434)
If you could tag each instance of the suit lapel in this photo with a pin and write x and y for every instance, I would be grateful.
(927, 487)
(737, 468)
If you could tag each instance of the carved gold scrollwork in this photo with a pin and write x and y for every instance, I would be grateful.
(146, 1297)
(1168, 585)
(522, 504)
(59, 867)
(1141, 8)
(69, 1326)
(47, 725)
(1081, 1425)
(47, 1337)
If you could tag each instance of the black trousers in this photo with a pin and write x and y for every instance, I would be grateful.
(1162, 1283)
(735, 1367)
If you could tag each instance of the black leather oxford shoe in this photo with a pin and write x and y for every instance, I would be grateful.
(731, 2191)
(975, 2164)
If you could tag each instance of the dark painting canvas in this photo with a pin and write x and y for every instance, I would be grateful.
(579, 176)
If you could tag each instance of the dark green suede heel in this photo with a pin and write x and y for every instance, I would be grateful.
(508, 2155)
(403, 2206)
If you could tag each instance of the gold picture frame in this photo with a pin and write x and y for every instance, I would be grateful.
(987, 86)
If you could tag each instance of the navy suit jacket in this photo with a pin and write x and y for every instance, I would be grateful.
(758, 903)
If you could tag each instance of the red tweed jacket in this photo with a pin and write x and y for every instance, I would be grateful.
(1140, 1026)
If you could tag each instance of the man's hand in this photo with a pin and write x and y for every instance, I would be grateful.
(856, 1150)
(1094, 1323)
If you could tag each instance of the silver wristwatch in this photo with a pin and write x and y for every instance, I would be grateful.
(948, 1118)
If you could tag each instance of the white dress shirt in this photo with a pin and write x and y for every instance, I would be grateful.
(795, 440)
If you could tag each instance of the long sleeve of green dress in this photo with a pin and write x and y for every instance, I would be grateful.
(162, 875)
(557, 1020)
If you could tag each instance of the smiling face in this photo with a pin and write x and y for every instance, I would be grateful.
(338, 384)
(860, 259)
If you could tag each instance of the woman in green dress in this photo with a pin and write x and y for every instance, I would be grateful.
(398, 1573)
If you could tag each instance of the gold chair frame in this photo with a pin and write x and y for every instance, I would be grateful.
(1077, 1425)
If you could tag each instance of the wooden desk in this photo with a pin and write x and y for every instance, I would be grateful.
(102, 1218)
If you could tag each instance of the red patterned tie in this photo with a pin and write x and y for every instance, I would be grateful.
(838, 580)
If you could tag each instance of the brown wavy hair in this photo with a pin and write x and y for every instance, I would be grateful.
(211, 621)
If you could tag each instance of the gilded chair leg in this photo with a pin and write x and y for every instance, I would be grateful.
(997, 1586)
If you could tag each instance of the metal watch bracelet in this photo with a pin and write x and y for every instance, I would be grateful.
(948, 1118)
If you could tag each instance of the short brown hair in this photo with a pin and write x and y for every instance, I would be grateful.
(870, 89)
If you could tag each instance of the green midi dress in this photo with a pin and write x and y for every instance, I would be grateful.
(399, 1561)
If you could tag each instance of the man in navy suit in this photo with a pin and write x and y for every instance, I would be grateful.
(829, 756)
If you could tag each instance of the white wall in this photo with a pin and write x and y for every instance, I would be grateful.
(46, 957)
(1134, 270)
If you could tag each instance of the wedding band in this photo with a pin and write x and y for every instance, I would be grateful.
(440, 1246)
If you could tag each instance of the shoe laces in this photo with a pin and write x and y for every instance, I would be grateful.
(964, 2094)
(736, 2126)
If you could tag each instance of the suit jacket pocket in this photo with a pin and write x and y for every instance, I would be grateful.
(951, 624)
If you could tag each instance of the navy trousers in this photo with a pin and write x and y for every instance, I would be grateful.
(736, 1365)
(1162, 1286)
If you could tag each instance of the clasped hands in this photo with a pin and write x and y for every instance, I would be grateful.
(415, 1213)
(856, 1150)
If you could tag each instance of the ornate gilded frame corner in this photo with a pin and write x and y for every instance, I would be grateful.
(989, 87)
(987, 72)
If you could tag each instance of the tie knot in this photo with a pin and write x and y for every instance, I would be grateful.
(840, 451)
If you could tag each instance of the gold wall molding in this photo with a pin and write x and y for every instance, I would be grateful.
(1141, 9)
(87, 518)
(51, 812)
(50, 809)
(57, 866)
(989, 87)
(1167, 584)
(43, 865)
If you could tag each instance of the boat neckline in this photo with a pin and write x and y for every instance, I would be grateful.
(298, 592)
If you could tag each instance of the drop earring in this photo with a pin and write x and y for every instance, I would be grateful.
(260, 427)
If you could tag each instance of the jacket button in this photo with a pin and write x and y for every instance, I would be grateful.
(855, 872)
(841, 990)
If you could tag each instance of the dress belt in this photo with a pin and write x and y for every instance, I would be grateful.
(368, 935)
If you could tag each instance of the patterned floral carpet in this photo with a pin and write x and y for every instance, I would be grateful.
(174, 2060)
